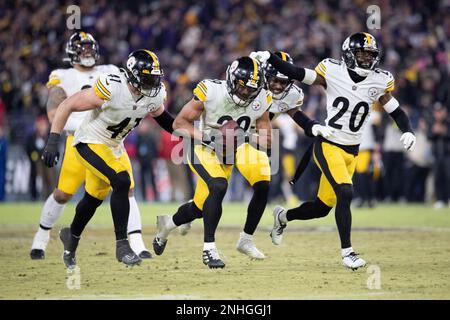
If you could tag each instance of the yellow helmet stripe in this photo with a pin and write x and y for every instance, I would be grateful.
(283, 56)
(155, 59)
(83, 35)
(368, 37)
(255, 71)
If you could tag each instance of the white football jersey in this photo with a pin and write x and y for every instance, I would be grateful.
(292, 100)
(219, 107)
(368, 139)
(348, 103)
(120, 113)
(72, 80)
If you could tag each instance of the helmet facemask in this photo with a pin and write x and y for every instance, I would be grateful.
(279, 85)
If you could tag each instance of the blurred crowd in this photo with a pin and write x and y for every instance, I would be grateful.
(198, 39)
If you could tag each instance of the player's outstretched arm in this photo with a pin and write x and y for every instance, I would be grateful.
(163, 118)
(392, 107)
(311, 127)
(183, 125)
(83, 100)
(305, 75)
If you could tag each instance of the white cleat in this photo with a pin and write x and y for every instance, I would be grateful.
(278, 227)
(184, 228)
(353, 261)
(246, 246)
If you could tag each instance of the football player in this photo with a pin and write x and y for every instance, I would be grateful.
(83, 53)
(117, 103)
(287, 99)
(352, 86)
(242, 98)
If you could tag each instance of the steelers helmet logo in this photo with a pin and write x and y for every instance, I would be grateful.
(131, 62)
(234, 65)
(283, 107)
(256, 105)
(373, 92)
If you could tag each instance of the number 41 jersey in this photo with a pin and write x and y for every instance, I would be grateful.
(119, 114)
(219, 107)
(348, 103)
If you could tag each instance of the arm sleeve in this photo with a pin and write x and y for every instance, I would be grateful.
(401, 119)
(54, 79)
(165, 120)
(287, 68)
(304, 122)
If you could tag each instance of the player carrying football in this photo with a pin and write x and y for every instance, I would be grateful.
(352, 86)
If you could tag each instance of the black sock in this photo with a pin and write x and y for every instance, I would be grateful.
(212, 208)
(308, 210)
(188, 212)
(120, 204)
(343, 215)
(256, 206)
(83, 213)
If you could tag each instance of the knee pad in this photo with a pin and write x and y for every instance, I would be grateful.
(344, 192)
(121, 182)
(218, 187)
(261, 187)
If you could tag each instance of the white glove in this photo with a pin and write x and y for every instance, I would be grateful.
(261, 56)
(409, 140)
(323, 131)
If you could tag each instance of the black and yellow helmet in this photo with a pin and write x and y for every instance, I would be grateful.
(273, 74)
(144, 73)
(244, 73)
(361, 42)
(82, 49)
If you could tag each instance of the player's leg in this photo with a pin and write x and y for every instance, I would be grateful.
(71, 176)
(210, 190)
(101, 162)
(255, 168)
(338, 167)
(134, 227)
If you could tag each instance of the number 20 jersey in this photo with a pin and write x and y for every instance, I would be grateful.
(348, 103)
(119, 114)
(219, 107)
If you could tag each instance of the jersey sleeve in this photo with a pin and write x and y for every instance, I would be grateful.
(269, 99)
(104, 87)
(390, 82)
(202, 90)
(321, 68)
(54, 78)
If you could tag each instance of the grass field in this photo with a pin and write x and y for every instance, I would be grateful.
(409, 245)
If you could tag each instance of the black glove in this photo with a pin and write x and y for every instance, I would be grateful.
(50, 156)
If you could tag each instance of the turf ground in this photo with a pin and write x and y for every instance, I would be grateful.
(408, 245)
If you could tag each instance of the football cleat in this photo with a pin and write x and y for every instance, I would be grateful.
(124, 253)
(278, 226)
(212, 259)
(145, 254)
(246, 246)
(40, 241)
(159, 245)
(353, 261)
(37, 254)
(184, 228)
(70, 244)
